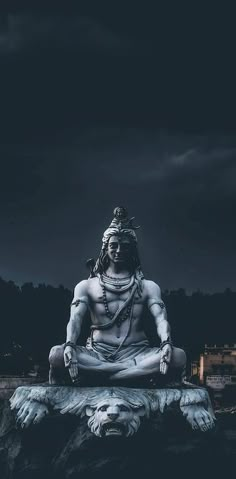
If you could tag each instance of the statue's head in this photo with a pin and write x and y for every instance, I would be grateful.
(119, 249)
(119, 243)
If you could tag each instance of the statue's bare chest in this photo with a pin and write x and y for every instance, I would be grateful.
(101, 298)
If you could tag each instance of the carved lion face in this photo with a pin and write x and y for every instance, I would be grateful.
(114, 417)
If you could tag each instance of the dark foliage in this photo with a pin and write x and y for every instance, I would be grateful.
(35, 317)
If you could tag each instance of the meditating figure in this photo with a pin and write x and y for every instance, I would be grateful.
(117, 297)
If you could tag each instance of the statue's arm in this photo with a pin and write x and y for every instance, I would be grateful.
(79, 307)
(158, 311)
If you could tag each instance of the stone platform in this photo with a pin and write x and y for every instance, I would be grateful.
(111, 410)
(70, 432)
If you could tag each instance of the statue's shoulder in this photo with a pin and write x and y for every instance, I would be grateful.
(92, 284)
(81, 289)
(151, 288)
(85, 286)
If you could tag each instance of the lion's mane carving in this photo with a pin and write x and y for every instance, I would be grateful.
(111, 411)
(116, 413)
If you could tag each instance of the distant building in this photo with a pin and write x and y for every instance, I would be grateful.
(216, 367)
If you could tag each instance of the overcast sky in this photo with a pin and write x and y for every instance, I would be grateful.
(101, 108)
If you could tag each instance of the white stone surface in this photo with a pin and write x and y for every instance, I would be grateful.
(111, 411)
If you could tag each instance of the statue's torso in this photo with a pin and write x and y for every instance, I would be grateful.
(116, 333)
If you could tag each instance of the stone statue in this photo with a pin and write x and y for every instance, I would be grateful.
(117, 297)
(113, 411)
(126, 387)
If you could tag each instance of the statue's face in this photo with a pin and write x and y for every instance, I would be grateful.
(119, 249)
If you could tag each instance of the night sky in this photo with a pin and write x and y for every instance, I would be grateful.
(107, 106)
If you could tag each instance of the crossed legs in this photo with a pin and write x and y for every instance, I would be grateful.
(150, 364)
(146, 365)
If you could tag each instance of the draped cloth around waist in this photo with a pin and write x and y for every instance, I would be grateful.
(109, 352)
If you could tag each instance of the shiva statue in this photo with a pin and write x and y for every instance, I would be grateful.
(116, 295)
(123, 379)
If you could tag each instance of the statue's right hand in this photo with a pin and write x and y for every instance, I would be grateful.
(71, 362)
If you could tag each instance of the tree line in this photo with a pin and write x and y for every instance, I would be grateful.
(35, 317)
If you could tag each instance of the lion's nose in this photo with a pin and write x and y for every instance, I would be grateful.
(113, 415)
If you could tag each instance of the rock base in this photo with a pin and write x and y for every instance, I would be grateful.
(65, 445)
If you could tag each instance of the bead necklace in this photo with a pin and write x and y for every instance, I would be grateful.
(119, 285)
(117, 278)
(110, 315)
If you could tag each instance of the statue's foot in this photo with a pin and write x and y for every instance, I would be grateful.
(198, 417)
(129, 373)
(115, 368)
(140, 372)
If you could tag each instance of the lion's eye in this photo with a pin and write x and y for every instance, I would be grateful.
(103, 408)
(123, 408)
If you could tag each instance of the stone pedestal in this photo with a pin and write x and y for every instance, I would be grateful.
(111, 411)
(68, 432)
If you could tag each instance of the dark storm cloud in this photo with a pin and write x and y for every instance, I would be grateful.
(179, 188)
(27, 33)
(55, 73)
(101, 109)
(113, 66)
(19, 180)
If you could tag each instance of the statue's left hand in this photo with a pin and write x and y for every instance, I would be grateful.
(166, 354)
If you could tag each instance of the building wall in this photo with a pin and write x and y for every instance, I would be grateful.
(217, 366)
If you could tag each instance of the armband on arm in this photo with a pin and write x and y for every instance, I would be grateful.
(168, 341)
(71, 344)
(159, 303)
(78, 301)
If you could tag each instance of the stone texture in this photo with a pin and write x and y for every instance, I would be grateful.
(62, 447)
(111, 411)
